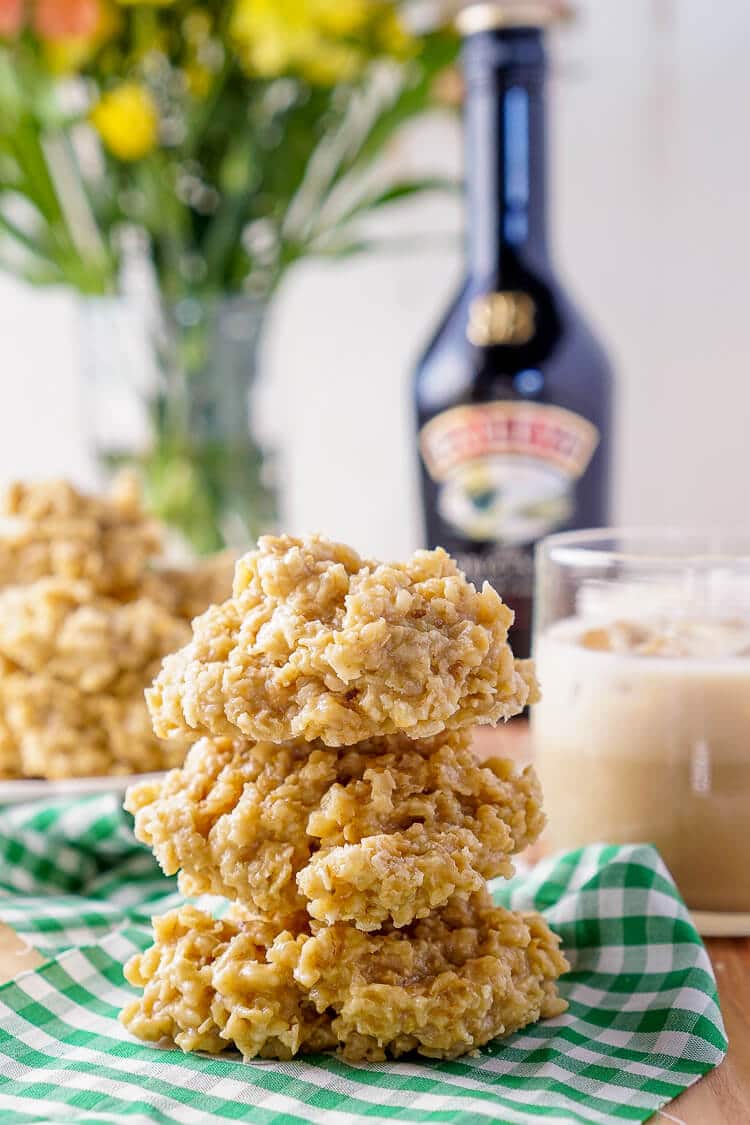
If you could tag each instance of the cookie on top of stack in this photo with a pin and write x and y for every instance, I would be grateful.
(87, 613)
(331, 794)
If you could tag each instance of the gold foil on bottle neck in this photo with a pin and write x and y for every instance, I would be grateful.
(493, 15)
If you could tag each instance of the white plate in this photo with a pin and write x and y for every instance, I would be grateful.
(22, 790)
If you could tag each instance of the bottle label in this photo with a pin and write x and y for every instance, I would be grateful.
(506, 470)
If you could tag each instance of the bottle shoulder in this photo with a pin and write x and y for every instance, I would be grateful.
(500, 335)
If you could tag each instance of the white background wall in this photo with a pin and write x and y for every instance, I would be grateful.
(650, 185)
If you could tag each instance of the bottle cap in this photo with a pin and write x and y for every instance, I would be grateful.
(492, 15)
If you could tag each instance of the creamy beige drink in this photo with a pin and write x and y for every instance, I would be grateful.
(643, 734)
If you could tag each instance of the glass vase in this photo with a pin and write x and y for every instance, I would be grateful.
(168, 390)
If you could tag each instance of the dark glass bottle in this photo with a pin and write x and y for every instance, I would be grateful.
(513, 394)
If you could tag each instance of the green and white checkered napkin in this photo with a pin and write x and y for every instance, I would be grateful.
(643, 1022)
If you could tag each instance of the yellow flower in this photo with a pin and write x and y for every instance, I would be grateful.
(127, 121)
(393, 35)
(197, 25)
(331, 63)
(341, 17)
(308, 36)
(271, 35)
(198, 79)
(64, 56)
(268, 54)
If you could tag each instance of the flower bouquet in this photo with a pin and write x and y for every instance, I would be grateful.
(220, 142)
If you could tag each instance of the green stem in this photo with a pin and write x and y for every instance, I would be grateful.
(28, 152)
(50, 179)
(74, 200)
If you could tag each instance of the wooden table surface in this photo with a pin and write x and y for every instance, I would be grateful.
(720, 1098)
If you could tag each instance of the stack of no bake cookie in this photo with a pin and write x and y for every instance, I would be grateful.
(332, 796)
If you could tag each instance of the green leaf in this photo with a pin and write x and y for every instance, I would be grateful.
(414, 98)
(344, 247)
(403, 189)
(337, 166)
(26, 147)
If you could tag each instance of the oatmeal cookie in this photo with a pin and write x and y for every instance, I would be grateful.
(10, 757)
(317, 643)
(64, 630)
(55, 530)
(208, 984)
(85, 621)
(466, 974)
(450, 983)
(234, 819)
(59, 731)
(75, 665)
(383, 831)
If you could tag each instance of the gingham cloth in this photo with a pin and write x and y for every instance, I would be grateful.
(643, 1022)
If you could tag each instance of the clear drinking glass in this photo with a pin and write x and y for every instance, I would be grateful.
(642, 643)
